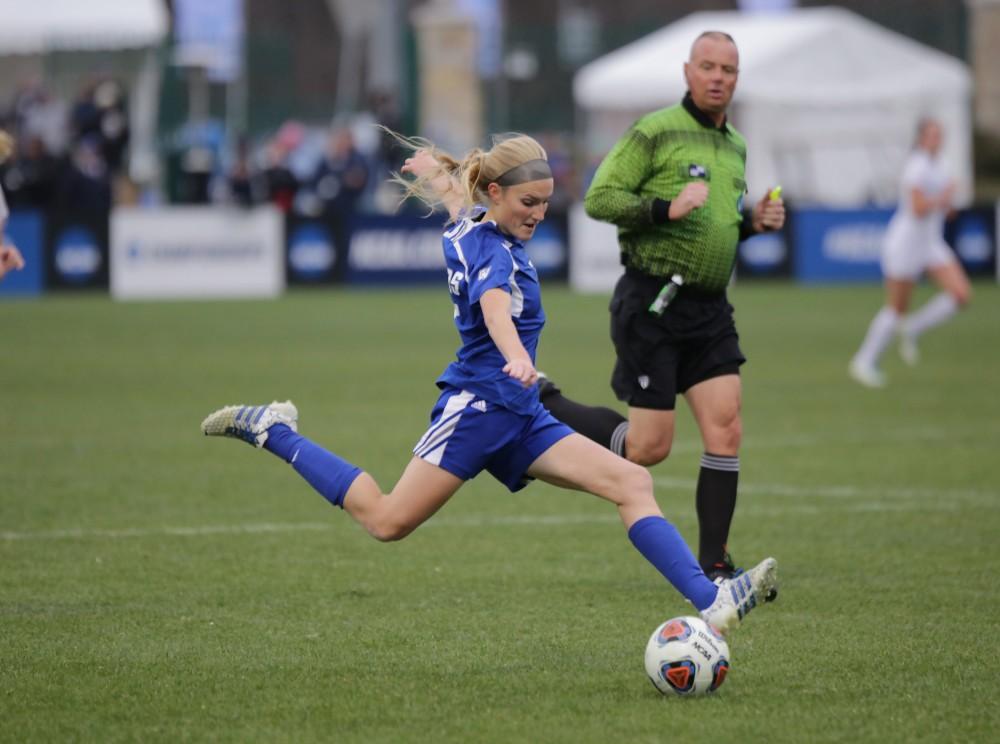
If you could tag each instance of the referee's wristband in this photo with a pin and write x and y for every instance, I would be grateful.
(660, 211)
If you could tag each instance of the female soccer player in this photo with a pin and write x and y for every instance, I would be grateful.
(488, 416)
(10, 256)
(914, 244)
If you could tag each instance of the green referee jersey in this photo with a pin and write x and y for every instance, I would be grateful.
(657, 157)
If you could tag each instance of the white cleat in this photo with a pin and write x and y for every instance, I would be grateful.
(740, 594)
(288, 411)
(866, 374)
(908, 349)
(250, 423)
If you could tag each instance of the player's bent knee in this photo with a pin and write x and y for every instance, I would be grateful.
(389, 533)
(648, 453)
(389, 529)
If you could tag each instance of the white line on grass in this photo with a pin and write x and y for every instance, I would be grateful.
(221, 529)
(265, 527)
(873, 500)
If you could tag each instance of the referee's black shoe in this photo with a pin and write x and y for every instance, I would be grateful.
(724, 569)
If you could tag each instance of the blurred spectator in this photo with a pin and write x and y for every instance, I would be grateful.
(84, 184)
(341, 176)
(385, 109)
(197, 148)
(84, 119)
(280, 183)
(244, 186)
(28, 95)
(389, 155)
(34, 113)
(99, 113)
(196, 167)
(563, 172)
(114, 131)
(29, 178)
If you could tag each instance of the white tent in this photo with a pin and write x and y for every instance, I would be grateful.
(40, 26)
(827, 100)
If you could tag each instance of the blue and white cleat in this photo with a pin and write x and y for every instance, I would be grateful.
(725, 569)
(250, 423)
(740, 594)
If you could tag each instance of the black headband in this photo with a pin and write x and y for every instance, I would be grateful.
(532, 170)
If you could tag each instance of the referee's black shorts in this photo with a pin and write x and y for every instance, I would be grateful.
(660, 356)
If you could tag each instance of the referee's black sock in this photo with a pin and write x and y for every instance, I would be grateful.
(603, 425)
(715, 502)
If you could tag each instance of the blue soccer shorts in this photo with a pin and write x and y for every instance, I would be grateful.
(468, 435)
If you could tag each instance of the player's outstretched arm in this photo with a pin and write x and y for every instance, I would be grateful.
(10, 259)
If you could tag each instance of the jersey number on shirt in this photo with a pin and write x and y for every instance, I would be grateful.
(454, 281)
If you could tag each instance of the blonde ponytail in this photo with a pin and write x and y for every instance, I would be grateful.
(473, 173)
(6, 145)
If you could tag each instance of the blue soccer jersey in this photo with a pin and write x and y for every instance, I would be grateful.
(479, 258)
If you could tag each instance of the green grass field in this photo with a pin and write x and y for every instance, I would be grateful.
(159, 586)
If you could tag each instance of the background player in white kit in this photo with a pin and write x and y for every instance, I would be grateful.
(914, 244)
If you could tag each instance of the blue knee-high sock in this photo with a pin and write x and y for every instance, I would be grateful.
(662, 545)
(323, 470)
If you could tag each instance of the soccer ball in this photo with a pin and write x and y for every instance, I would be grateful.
(686, 656)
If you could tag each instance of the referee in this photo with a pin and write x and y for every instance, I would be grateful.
(674, 185)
